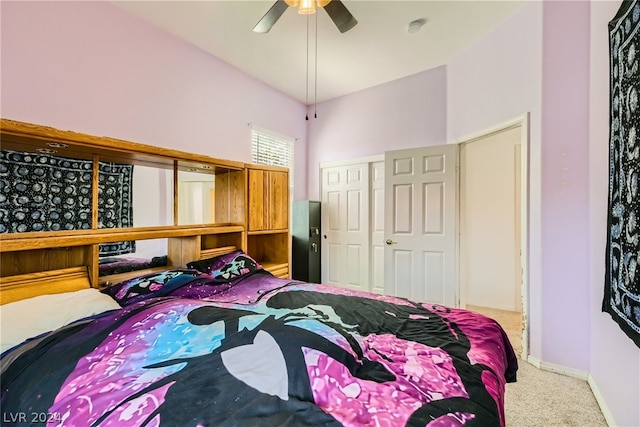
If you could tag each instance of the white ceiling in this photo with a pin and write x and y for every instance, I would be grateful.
(377, 50)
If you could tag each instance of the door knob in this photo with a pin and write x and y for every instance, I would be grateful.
(390, 242)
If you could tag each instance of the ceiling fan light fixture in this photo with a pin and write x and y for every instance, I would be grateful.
(339, 14)
(307, 7)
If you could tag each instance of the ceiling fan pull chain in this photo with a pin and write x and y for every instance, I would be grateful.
(315, 74)
(306, 117)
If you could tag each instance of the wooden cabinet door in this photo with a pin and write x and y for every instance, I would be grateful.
(257, 207)
(268, 200)
(278, 200)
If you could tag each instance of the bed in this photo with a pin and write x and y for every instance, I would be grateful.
(227, 343)
(221, 336)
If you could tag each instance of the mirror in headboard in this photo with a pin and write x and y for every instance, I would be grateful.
(49, 178)
(209, 194)
(64, 195)
(138, 185)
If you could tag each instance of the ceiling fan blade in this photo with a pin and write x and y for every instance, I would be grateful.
(340, 16)
(271, 17)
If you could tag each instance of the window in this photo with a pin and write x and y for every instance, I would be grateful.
(268, 148)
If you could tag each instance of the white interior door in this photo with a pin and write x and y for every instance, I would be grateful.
(345, 226)
(421, 199)
(377, 227)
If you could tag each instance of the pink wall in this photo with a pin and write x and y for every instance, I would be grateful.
(92, 67)
(404, 113)
(615, 360)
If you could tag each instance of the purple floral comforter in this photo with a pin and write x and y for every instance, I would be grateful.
(264, 351)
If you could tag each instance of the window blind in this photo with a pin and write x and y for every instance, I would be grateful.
(273, 150)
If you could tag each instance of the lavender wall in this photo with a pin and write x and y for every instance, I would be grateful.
(93, 68)
(405, 113)
(506, 83)
(615, 360)
(565, 185)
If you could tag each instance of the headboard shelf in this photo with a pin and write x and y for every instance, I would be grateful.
(28, 241)
(210, 253)
(52, 258)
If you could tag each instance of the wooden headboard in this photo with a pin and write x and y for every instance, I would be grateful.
(21, 286)
(35, 263)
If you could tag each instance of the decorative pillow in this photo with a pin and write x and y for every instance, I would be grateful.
(227, 267)
(151, 285)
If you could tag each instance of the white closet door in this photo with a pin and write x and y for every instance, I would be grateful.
(345, 226)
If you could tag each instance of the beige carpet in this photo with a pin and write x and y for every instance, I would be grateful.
(541, 398)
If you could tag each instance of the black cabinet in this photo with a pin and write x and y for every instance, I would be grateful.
(305, 233)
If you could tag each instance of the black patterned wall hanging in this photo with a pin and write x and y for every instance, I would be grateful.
(622, 281)
(48, 193)
(115, 207)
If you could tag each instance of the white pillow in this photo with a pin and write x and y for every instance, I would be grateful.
(31, 317)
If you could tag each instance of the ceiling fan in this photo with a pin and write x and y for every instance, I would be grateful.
(336, 10)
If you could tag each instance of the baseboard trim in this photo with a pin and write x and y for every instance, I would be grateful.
(608, 416)
(558, 369)
(582, 375)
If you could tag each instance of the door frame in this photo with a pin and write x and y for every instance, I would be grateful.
(522, 122)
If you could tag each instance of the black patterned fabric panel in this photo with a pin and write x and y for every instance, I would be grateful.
(622, 282)
(48, 193)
